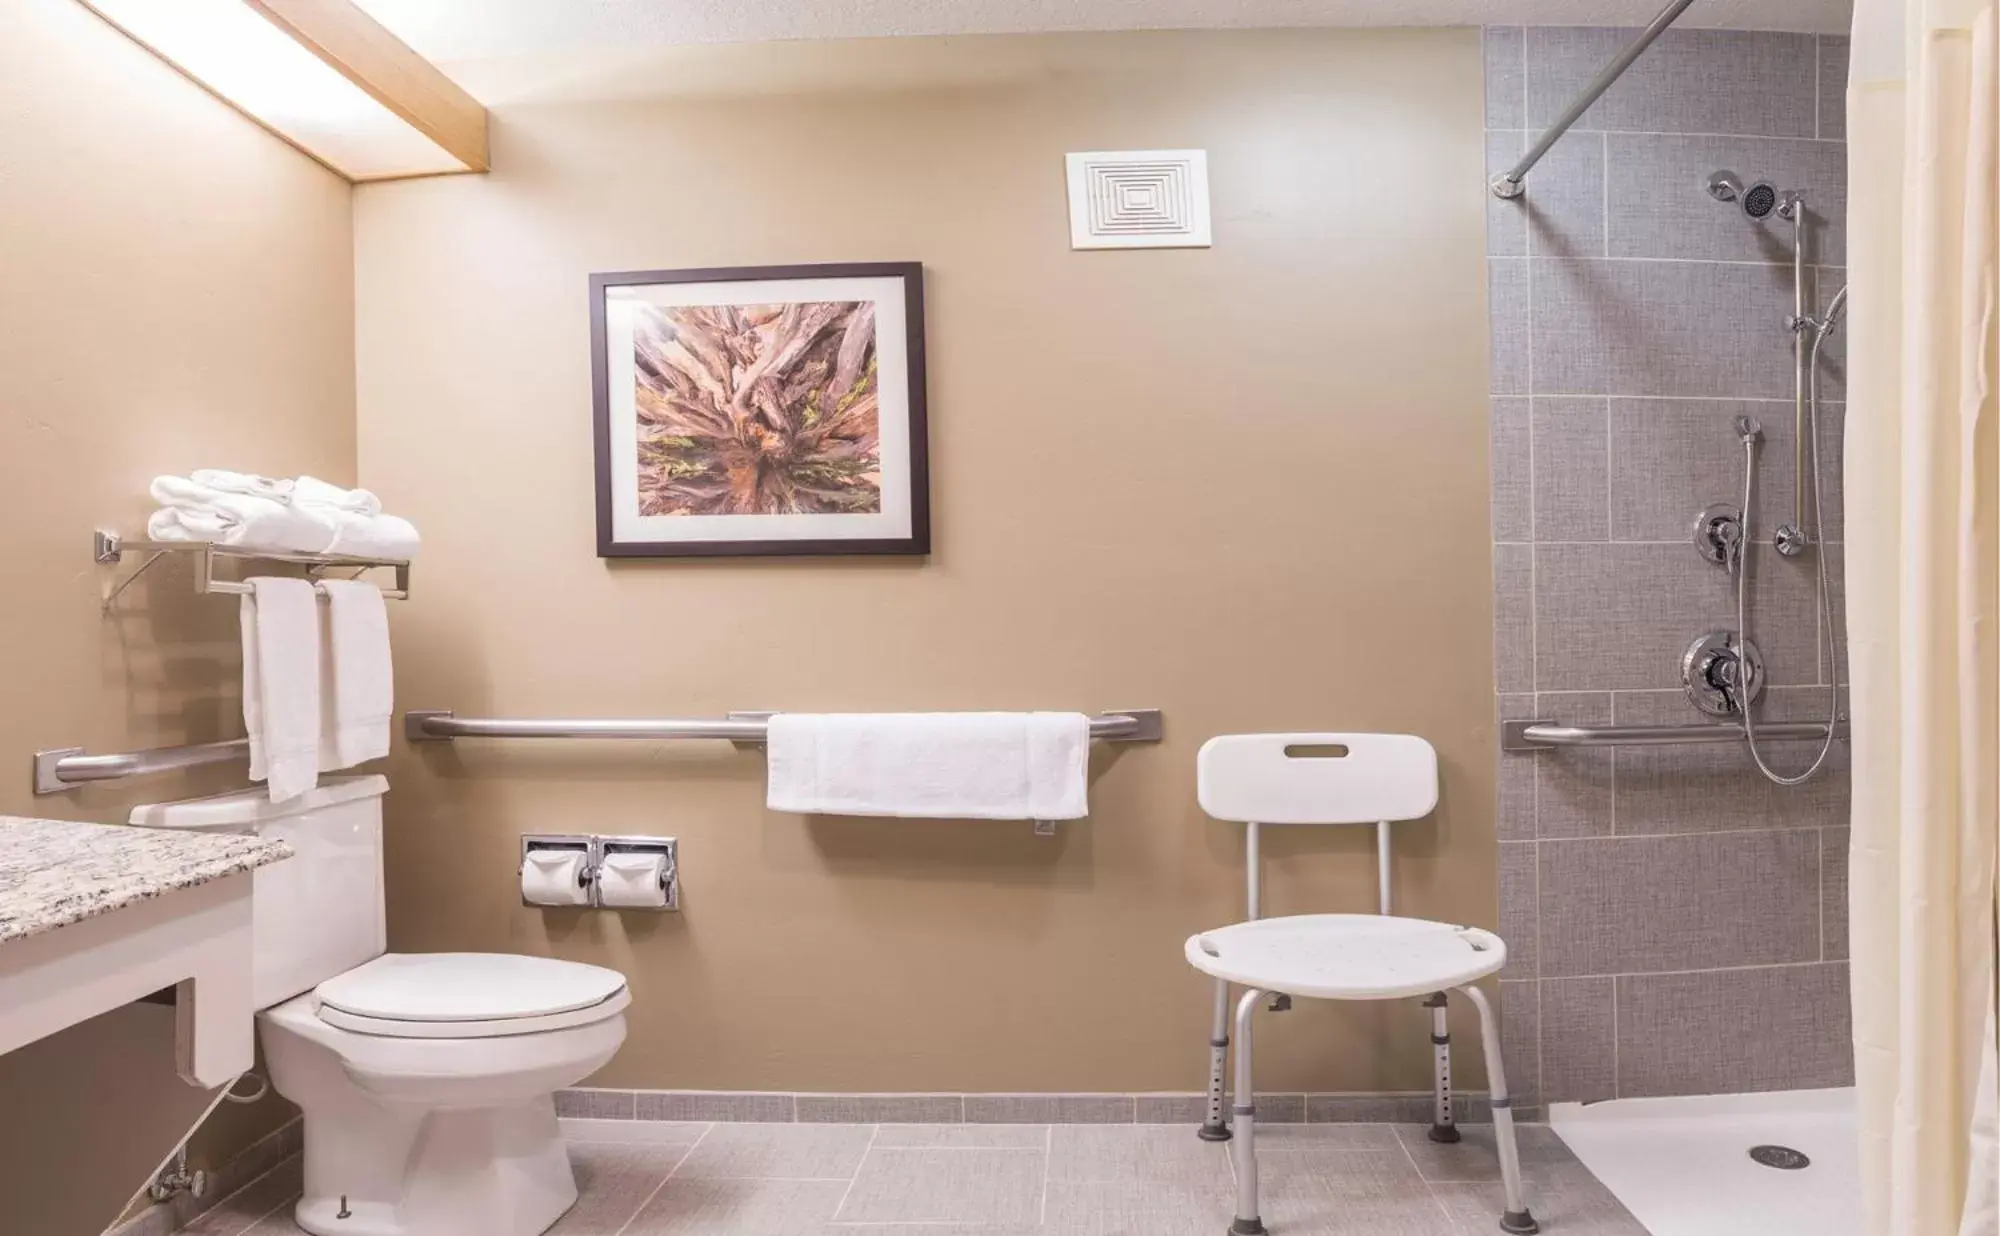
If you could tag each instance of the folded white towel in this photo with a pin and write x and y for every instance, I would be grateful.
(311, 491)
(945, 765)
(370, 536)
(194, 512)
(356, 695)
(243, 483)
(280, 620)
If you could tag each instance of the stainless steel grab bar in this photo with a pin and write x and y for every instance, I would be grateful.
(1542, 735)
(65, 768)
(432, 725)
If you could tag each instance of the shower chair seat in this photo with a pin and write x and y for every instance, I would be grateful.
(1259, 779)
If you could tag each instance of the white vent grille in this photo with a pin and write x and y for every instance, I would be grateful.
(1139, 199)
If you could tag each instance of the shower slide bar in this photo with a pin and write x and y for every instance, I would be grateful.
(1510, 182)
(1542, 735)
(1121, 725)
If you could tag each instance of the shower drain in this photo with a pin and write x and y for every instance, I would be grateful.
(1784, 1158)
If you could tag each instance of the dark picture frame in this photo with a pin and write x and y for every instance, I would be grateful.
(734, 420)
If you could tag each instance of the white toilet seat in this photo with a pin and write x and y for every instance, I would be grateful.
(469, 996)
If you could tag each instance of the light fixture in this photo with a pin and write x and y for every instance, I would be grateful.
(322, 75)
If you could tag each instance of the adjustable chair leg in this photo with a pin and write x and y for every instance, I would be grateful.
(1516, 1218)
(1444, 1125)
(1247, 1223)
(1215, 1128)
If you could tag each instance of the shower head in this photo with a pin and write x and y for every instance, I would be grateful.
(1757, 200)
(1748, 429)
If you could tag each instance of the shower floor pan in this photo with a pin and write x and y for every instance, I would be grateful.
(1683, 1166)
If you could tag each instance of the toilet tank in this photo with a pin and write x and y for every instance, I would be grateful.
(320, 912)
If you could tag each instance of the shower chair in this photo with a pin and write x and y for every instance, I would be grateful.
(1379, 779)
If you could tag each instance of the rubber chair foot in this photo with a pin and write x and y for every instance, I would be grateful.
(1247, 1227)
(1446, 1133)
(1519, 1222)
(1214, 1133)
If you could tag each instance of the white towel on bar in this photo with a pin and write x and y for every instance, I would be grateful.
(933, 765)
(356, 694)
(243, 483)
(311, 491)
(370, 536)
(190, 511)
(280, 619)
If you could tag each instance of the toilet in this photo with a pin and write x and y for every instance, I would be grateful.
(427, 1079)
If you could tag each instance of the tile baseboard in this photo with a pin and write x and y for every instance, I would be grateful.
(779, 1107)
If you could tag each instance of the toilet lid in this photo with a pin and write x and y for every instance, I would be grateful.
(467, 987)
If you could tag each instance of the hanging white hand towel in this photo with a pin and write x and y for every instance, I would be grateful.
(357, 694)
(280, 619)
(939, 765)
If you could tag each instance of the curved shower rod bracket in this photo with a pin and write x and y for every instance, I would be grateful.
(1512, 182)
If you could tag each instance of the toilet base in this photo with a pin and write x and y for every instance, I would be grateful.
(478, 1172)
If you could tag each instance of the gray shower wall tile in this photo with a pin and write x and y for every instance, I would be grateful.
(1632, 905)
(1579, 1016)
(1658, 207)
(1513, 468)
(1506, 217)
(1833, 53)
(1620, 616)
(1573, 785)
(1514, 617)
(1509, 314)
(1571, 458)
(1519, 909)
(1521, 1040)
(1689, 81)
(1564, 204)
(1504, 54)
(1516, 818)
(1673, 458)
(1716, 787)
(1681, 329)
(1833, 843)
(1780, 1028)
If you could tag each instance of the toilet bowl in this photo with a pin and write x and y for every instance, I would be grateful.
(427, 1080)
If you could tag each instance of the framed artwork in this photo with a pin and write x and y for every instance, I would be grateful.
(760, 410)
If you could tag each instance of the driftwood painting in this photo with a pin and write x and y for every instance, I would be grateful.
(758, 409)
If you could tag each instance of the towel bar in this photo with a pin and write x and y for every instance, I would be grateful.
(435, 725)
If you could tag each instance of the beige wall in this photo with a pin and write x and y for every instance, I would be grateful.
(176, 291)
(1245, 485)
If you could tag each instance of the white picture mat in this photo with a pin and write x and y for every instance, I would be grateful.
(892, 376)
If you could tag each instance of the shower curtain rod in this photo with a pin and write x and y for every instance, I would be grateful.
(1510, 182)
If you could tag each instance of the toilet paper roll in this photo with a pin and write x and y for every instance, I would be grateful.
(555, 878)
(632, 881)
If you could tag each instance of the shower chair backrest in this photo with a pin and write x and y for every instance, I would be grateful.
(1317, 778)
(1258, 779)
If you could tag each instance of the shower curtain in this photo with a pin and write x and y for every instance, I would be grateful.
(1922, 484)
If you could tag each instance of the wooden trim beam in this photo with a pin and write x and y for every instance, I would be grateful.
(363, 51)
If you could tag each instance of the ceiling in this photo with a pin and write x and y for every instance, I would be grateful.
(448, 31)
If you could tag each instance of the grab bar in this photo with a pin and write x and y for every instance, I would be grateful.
(65, 768)
(434, 725)
(1542, 735)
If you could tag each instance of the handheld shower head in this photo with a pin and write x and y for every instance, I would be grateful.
(1748, 429)
(1757, 200)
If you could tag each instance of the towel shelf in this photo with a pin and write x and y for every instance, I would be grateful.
(1542, 735)
(108, 548)
(1120, 725)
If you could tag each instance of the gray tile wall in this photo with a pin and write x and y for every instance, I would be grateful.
(1677, 923)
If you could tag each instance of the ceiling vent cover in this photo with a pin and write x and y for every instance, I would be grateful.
(1139, 199)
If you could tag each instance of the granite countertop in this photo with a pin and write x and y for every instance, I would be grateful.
(57, 872)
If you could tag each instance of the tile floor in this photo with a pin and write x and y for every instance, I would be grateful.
(651, 1179)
